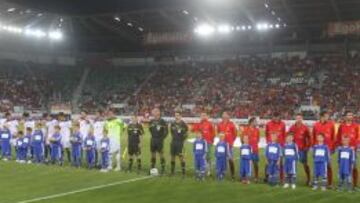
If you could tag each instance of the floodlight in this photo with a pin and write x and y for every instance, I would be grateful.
(224, 29)
(55, 35)
(204, 30)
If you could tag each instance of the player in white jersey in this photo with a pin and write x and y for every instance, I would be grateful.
(28, 121)
(7, 117)
(98, 126)
(13, 125)
(84, 123)
(50, 124)
(65, 132)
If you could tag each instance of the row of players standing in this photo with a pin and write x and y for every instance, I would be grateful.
(158, 128)
(59, 132)
(303, 137)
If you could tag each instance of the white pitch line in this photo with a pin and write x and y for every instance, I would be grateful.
(84, 190)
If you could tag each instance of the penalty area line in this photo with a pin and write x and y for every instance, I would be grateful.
(85, 190)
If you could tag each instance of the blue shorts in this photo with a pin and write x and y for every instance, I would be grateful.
(255, 157)
(303, 156)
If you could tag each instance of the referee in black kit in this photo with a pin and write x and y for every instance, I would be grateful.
(158, 129)
(178, 130)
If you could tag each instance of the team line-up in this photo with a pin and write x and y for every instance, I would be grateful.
(50, 139)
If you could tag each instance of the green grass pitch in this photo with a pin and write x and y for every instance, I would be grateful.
(20, 183)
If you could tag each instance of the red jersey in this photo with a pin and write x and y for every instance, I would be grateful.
(352, 130)
(254, 137)
(206, 129)
(229, 129)
(328, 129)
(275, 127)
(302, 136)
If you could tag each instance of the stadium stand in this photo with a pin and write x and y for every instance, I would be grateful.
(245, 86)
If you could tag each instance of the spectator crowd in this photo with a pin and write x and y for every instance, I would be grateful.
(244, 86)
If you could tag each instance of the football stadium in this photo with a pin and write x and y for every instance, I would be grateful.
(179, 101)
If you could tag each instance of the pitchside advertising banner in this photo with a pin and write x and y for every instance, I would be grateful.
(344, 28)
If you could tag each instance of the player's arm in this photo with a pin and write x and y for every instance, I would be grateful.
(257, 135)
(357, 137)
(307, 139)
(314, 133)
(338, 136)
(333, 133)
(235, 131)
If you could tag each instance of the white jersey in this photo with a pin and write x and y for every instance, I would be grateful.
(99, 128)
(13, 126)
(29, 124)
(84, 127)
(65, 133)
(98, 131)
(2, 122)
(50, 125)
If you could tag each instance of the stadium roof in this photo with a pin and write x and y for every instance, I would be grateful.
(117, 25)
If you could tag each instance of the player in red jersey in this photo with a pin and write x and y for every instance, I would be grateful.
(350, 129)
(227, 127)
(326, 127)
(253, 132)
(207, 130)
(276, 126)
(302, 138)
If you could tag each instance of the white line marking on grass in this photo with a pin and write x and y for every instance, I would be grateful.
(85, 190)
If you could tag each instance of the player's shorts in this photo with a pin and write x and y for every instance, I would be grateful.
(255, 157)
(245, 168)
(157, 146)
(303, 156)
(134, 149)
(320, 169)
(114, 144)
(176, 148)
(290, 167)
(272, 168)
